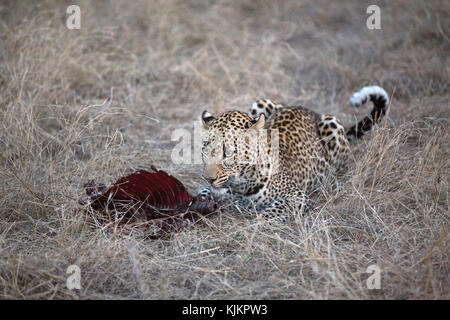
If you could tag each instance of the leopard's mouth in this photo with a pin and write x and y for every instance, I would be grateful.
(219, 183)
(217, 192)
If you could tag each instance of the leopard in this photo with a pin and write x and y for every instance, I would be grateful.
(269, 160)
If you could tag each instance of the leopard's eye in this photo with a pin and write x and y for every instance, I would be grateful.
(206, 151)
(228, 153)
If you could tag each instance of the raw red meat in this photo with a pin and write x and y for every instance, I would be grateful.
(154, 197)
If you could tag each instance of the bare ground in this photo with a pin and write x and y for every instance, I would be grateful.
(167, 62)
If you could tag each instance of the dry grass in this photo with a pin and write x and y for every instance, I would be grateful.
(167, 61)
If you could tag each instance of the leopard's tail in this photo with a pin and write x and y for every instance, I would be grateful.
(380, 100)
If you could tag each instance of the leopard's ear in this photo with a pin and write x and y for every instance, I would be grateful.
(207, 118)
(259, 122)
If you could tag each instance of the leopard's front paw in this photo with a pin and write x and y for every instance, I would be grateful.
(220, 195)
(205, 192)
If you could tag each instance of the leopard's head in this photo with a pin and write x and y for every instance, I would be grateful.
(230, 151)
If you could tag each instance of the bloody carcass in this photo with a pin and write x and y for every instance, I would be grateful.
(155, 198)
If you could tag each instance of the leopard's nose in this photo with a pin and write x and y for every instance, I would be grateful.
(209, 179)
(210, 172)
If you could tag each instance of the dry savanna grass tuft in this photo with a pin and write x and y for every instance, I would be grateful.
(167, 62)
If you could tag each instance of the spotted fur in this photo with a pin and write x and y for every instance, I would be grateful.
(311, 147)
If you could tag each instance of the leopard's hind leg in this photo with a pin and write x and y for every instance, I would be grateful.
(334, 142)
